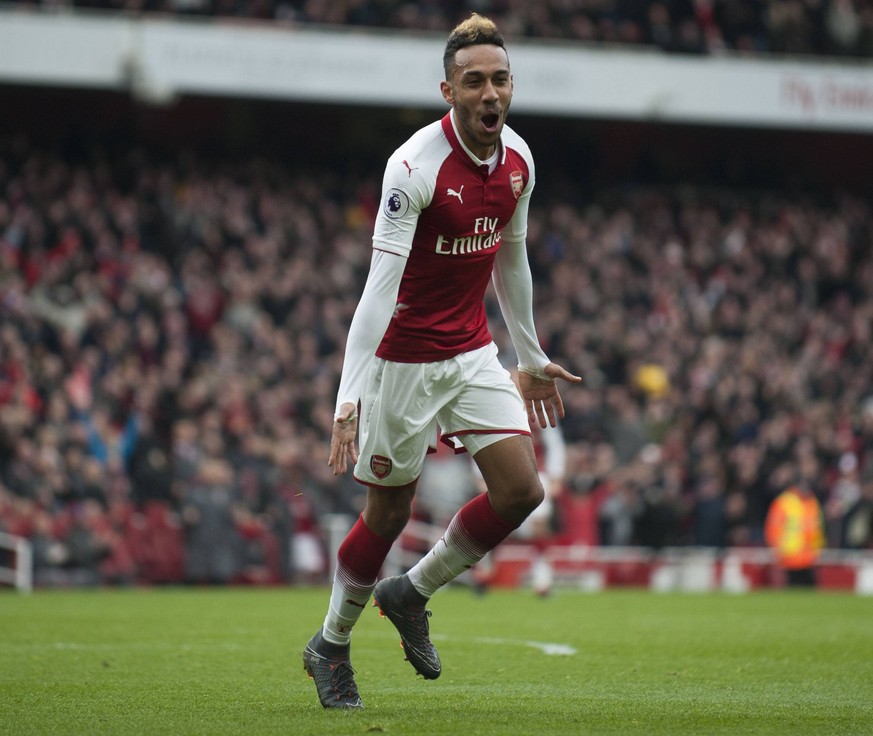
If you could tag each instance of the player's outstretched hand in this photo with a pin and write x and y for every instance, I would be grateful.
(343, 449)
(541, 397)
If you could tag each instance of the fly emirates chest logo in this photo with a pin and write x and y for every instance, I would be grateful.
(485, 235)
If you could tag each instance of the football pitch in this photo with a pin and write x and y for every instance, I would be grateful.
(227, 661)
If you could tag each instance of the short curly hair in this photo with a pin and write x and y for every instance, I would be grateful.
(475, 30)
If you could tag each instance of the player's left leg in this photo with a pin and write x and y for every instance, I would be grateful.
(509, 469)
(507, 465)
(514, 490)
(488, 416)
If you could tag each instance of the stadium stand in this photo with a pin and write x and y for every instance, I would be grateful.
(841, 28)
(727, 330)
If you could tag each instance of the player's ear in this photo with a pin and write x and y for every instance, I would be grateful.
(448, 95)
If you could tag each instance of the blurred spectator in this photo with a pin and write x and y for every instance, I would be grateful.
(149, 466)
(448, 480)
(795, 532)
(710, 523)
(844, 494)
(213, 547)
(858, 520)
(618, 514)
(624, 422)
(662, 506)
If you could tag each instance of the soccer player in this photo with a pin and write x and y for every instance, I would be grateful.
(422, 365)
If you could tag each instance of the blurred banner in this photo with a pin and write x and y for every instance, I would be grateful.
(159, 59)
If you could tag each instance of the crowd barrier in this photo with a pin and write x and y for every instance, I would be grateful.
(687, 569)
(583, 567)
(593, 568)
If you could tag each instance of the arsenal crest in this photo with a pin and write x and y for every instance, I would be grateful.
(517, 182)
(380, 466)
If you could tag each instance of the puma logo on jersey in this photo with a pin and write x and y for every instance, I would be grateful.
(409, 168)
(452, 193)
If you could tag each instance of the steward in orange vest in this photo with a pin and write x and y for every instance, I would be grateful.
(794, 529)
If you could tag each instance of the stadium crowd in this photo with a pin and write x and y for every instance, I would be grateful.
(842, 28)
(172, 332)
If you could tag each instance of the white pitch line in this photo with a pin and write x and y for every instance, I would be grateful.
(551, 649)
(546, 647)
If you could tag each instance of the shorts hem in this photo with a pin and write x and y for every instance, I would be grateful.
(461, 432)
(446, 439)
(383, 485)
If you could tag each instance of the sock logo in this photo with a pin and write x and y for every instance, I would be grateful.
(380, 465)
(355, 603)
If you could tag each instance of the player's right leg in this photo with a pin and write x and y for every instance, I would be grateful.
(475, 530)
(395, 428)
(330, 668)
(326, 658)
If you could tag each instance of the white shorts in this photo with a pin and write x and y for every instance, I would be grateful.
(469, 400)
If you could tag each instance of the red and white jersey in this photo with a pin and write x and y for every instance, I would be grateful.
(448, 216)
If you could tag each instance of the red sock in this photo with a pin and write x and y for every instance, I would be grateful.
(472, 533)
(363, 552)
(359, 560)
(482, 524)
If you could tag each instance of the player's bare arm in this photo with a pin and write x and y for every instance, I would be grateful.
(343, 447)
(542, 400)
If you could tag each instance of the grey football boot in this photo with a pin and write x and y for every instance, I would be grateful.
(404, 607)
(329, 666)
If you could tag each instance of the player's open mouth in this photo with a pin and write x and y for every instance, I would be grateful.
(490, 121)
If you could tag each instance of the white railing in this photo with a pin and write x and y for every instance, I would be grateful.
(21, 575)
(688, 569)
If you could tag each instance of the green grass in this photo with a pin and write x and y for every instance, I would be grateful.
(228, 662)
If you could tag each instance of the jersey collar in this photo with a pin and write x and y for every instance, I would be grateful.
(451, 130)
